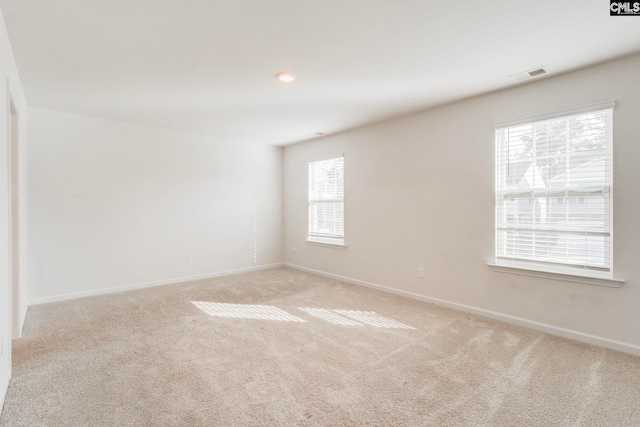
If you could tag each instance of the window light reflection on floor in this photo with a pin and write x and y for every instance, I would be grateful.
(269, 312)
(355, 318)
(245, 311)
(329, 316)
(374, 319)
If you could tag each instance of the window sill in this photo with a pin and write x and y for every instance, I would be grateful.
(328, 244)
(528, 270)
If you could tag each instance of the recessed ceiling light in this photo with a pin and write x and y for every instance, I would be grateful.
(286, 77)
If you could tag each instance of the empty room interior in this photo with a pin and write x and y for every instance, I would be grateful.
(336, 213)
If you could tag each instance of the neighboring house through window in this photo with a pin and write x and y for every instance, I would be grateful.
(326, 201)
(553, 191)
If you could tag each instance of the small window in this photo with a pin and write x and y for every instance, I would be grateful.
(553, 191)
(326, 201)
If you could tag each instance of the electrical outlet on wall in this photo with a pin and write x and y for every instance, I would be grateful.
(187, 258)
(421, 272)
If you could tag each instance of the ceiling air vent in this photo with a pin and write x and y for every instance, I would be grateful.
(536, 72)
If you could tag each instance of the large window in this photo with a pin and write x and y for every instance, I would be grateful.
(326, 201)
(553, 191)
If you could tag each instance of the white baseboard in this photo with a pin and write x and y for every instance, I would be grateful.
(543, 327)
(4, 386)
(23, 317)
(76, 295)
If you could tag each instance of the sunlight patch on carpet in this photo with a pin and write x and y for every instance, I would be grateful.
(330, 316)
(355, 318)
(245, 311)
(374, 319)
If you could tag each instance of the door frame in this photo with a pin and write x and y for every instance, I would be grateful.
(15, 276)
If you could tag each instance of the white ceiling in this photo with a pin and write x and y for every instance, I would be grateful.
(208, 66)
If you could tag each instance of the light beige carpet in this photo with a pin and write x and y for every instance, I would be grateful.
(285, 348)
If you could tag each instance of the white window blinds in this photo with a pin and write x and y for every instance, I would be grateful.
(553, 191)
(326, 201)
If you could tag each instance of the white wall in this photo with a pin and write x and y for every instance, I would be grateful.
(116, 205)
(420, 192)
(9, 72)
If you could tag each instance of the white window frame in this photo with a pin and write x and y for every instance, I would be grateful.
(314, 236)
(547, 270)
